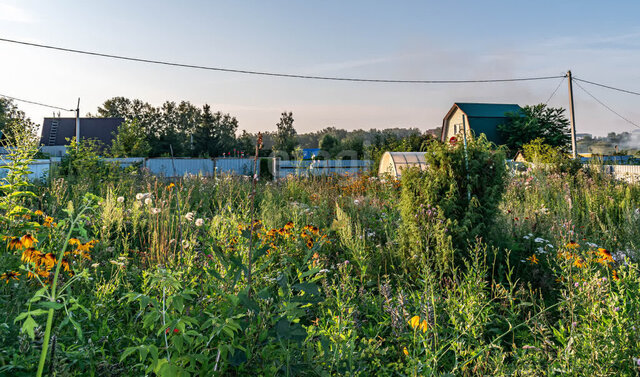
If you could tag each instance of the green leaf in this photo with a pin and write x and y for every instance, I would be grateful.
(28, 327)
(128, 351)
(51, 305)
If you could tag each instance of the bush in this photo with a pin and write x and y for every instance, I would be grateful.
(453, 201)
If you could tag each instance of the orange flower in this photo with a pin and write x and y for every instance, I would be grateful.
(309, 243)
(15, 243)
(28, 240)
(614, 274)
(579, 262)
(288, 225)
(38, 213)
(414, 321)
(49, 260)
(424, 325)
(404, 350)
(9, 275)
(74, 241)
(533, 259)
(605, 255)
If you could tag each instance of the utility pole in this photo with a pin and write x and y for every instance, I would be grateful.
(78, 125)
(574, 148)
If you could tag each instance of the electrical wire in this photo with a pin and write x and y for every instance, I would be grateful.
(557, 87)
(607, 86)
(273, 74)
(36, 103)
(607, 107)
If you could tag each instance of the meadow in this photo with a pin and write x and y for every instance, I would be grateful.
(462, 270)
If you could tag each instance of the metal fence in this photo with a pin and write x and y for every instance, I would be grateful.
(322, 167)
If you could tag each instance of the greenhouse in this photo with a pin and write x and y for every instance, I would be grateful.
(393, 163)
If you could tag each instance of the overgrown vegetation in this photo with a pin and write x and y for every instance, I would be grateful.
(461, 270)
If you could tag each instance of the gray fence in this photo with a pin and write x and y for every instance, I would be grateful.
(324, 167)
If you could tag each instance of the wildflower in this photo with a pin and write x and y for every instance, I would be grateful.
(175, 331)
(170, 186)
(31, 255)
(605, 255)
(572, 245)
(614, 275)
(140, 196)
(28, 240)
(424, 325)
(48, 222)
(49, 260)
(9, 275)
(199, 222)
(579, 262)
(75, 241)
(120, 199)
(576, 284)
(65, 265)
(15, 243)
(148, 201)
(155, 211)
(414, 322)
(288, 225)
(189, 216)
(38, 213)
(309, 243)
(404, 350)
(95, 265)
(533, 259)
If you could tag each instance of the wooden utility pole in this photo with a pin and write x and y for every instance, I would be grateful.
(574, 148)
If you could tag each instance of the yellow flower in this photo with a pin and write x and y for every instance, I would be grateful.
(572, 245)
(405, 351)
(533, 259)
(9, 275)
(48, 222)
(424, 325)
(289, 225)
(614, 274)
(579, 262)
(31, 255)
(28, 240)
(74, 241)
(414, 321)
(15, 243)
(38, 213)
(170, 186)
(49, 260)
(605, 255)
(309, 243)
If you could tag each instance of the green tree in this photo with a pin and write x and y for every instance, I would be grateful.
(538, 121)
(130, 141)
(14, 122)
(285, 140)
(330, 144)
(215, 134)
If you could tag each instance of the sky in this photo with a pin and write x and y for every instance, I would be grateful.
(406, 40)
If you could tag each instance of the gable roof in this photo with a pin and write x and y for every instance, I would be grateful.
(482, 118)
(55, 131)
(487, 110)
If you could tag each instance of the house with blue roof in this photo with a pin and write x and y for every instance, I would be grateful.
(479, 118)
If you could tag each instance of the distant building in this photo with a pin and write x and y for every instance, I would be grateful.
(56, 131)
(583, 136)
(481, 118)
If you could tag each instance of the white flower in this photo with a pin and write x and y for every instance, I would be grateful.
(539, 240)
(526, 237)
(189, 216)
(155, 211)
(139, 196)
(541, 250)
(591, 244)
(148, 201)
(95, 265)
(356, 202)
(550, 245)
(120, 199)
(185, 244)
(199, 222)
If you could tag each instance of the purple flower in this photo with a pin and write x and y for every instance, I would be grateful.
(616, 309)
(576, 284)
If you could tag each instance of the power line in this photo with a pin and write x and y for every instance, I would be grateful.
(607, 107)
(36, 103)
(608, 87)
(273, 74)
(554, 92)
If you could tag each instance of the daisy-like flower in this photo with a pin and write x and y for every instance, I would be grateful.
(7, 276)
(155, 211)
(533, 259)
(15, 243)
(309, 243)
(148, 201)
(572, 245)
(414, 321)
(38, 213)
(189, 216)
(170, 186)
(74, 242)
(48, 222)
(49, 260)
(288, 225)
(120, 199)
(199, 222)
(28, 240)
(579, 262)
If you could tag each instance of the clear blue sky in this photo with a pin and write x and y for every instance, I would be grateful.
(598, 41)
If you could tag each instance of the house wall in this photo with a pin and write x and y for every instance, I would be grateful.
(453, 125)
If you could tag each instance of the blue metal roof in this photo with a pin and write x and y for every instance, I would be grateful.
(488, 110)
